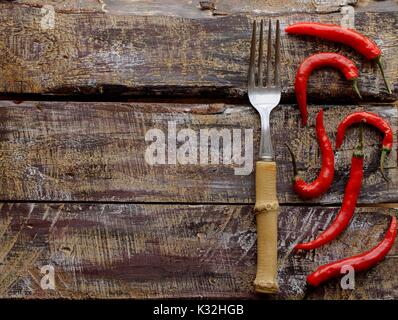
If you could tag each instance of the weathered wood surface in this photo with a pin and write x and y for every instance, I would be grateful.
(94, 152)
(171, 251)
(108, 54)
(193, 9)
(62, 151)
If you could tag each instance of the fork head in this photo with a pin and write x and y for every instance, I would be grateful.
(265, 96)
(264, 91)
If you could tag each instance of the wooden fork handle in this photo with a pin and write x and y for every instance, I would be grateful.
(266, 209)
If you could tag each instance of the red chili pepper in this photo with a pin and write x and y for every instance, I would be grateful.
(375, 121)
(359, 262)
(325, 178)
(349, 37)
(343, 218)
(316, 61)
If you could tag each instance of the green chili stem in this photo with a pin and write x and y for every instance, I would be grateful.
(355, 85)
(359, 148)
(384, 154)
(378, 61)
(293, 160)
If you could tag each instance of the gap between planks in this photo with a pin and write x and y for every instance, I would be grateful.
(197, 204)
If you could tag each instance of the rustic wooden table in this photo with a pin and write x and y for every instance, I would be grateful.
(83, 81)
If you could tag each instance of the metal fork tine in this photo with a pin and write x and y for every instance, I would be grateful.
(252, 57)
(269, 53)
(260, 79)
(264, 97)
(277, 54)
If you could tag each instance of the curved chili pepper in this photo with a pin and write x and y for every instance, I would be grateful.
(375, 121)
(316, 61)
(322, 183)
(349, 37)
(359, 262)
(343, 218)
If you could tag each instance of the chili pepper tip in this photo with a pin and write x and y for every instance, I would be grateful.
(304, 119)
(355, 85)
(312, 280)
(300, 246)
(378, 61)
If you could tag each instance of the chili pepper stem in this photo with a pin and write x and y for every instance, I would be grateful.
(375, 121)
(355, 86)
(378, 61)
(384, 154)
(294, 164)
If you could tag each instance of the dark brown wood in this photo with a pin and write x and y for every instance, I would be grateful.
(112, 55)
(61, 151)
(174, 251)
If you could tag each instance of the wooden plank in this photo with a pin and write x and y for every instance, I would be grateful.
(189, 9)
(193, 9)
(86, 151)
(175, 251)
(112, 55)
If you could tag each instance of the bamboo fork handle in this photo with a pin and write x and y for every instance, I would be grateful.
(266, 210)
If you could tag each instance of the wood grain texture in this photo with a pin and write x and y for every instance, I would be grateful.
(80, 155)
(175, 251)
(376, 5)
(104, 55)
(71, 151)
(190, 8)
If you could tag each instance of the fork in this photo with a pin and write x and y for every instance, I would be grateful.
(264, 98)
